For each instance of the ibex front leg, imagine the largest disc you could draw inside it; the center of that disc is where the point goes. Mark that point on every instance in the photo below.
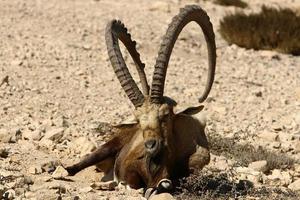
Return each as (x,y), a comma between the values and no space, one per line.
(106,151)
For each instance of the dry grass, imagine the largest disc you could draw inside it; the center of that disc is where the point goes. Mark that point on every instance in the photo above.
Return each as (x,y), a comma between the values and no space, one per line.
(245,154)
(236,3)
(271,29)
(215,185)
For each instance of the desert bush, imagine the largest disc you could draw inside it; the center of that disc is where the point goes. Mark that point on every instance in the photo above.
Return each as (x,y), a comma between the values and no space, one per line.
(219,186)
(271,29)
(246,153)
(236,3)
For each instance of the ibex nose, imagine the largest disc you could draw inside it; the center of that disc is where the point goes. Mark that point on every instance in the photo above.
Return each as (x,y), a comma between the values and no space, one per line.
(150,144)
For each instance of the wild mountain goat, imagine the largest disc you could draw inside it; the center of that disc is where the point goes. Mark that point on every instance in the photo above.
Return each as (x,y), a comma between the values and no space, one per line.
(159,145)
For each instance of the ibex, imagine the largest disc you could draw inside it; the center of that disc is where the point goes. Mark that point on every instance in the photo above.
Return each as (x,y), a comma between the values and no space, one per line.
(159,144)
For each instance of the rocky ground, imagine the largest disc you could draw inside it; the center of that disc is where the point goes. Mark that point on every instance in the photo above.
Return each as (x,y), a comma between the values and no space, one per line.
(58,93)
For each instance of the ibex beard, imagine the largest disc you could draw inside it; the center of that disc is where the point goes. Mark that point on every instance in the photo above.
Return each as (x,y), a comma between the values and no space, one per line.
(159,145)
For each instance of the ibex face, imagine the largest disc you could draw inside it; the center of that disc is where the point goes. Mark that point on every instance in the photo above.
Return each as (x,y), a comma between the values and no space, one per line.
(159,140)
(155,123)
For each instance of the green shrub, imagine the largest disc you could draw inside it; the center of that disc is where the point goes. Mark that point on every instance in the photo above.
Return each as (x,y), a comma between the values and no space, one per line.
(236,3)
(271,29)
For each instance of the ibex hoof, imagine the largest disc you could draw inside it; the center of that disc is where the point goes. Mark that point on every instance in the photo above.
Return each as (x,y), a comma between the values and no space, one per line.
(150,192)
(164,185)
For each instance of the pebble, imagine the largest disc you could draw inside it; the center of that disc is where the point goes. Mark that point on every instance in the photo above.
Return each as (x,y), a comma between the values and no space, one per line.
(279,177)
(295,186)
(4,152)
(83,146)
(162,196)
(9,194)
(160,6)
(109,185)
(54,134)
(260,166)
(35,170)
(50,166)
(59,173)
(5,136)
(268,136)
(31,135)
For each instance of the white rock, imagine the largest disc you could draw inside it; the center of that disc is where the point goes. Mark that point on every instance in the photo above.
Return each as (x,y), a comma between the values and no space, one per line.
(59,173)
(31,135)
(54,134)
(162,196)
(260,166)
(268,136)
(5,136)
(297,147)
(9,194)
(86,189)
(109,185)
(295,185)
(83,146)
(160,6)
(280,178)
(35,170)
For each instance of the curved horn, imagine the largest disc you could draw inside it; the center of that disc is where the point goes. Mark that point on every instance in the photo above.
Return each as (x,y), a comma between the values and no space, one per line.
(186,15)
(115,31)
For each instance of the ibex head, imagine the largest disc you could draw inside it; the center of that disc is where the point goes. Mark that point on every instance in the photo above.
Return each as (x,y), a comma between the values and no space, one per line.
(154,112)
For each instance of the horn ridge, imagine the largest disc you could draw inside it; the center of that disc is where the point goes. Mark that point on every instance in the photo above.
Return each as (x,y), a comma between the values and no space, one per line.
(186,15)
(115,31)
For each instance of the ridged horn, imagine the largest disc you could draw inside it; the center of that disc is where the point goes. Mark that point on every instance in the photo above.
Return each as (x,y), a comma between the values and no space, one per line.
(115,31)
(186,15)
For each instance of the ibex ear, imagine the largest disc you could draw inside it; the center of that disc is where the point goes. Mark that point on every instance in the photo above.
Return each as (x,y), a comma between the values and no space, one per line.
(127,123)
(192,110)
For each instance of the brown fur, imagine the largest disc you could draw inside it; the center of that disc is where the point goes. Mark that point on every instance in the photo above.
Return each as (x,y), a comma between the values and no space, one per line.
(184,146)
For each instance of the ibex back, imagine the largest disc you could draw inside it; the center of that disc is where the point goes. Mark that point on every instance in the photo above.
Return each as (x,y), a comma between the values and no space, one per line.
(158,144)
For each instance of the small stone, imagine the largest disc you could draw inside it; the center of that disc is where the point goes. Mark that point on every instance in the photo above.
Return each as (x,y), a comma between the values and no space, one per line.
(276,145)
(46,144)
(50,166)
(162,196)
(4,152)
(160,6)
(35,170)
(57,186)
(295,186)
(297,93)
(54,134)
(221,163)
(268,136)
(86,189)
(31,135)
(280,178)
(30,195)
(258,94)
(297,118)
(5,136)
(59,173)
(109,185)
(270,54)
(297,147)
(220,109)
(260,166)
(9,194)
(83,146)
(17,62)
(2,190)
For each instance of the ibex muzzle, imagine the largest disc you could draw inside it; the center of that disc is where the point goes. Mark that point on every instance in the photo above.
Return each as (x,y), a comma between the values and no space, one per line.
(158,144)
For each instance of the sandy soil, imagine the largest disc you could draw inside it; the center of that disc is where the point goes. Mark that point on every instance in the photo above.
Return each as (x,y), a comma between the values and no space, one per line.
(61,87)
